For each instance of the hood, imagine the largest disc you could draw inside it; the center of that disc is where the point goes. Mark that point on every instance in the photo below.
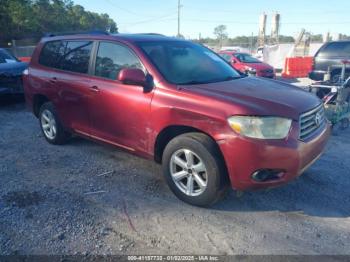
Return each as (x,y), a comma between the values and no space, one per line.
(259,66)
(12,69)
(257,96)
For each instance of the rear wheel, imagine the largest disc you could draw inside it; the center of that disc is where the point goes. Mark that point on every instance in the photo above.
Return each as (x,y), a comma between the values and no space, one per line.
(51,126)
(194,169)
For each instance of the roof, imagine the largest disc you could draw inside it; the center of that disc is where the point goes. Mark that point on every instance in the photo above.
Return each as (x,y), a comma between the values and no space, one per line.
(125,37)
(146,37)
(233,52)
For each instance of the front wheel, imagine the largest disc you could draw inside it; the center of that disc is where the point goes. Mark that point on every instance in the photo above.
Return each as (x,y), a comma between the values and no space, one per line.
(194,169)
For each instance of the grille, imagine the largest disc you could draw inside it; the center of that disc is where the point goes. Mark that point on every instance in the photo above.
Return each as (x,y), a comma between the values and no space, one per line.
(267,71)
(311,121)
(13,82)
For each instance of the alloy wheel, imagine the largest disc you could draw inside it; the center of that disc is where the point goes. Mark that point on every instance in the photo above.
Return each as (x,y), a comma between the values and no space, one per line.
(48,124)
(188,172)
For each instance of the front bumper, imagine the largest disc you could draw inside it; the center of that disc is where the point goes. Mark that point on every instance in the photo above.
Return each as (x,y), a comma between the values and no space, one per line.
(267,75)
(10,91)
(11,85)
(244,156)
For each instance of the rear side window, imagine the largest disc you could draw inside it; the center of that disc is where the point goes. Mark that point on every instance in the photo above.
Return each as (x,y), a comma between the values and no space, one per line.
(336,49)
(51,53)
(71,56)
(76,57)
(111,58)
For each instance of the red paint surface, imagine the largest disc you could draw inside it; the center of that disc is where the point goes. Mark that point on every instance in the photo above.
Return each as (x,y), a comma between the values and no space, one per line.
(24,59)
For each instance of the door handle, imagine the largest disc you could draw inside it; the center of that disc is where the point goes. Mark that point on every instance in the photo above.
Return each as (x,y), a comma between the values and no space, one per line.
(53,80)
(94,89)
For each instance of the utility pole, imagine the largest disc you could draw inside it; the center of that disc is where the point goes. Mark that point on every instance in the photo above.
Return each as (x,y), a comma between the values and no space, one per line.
(251,44)
(178,17)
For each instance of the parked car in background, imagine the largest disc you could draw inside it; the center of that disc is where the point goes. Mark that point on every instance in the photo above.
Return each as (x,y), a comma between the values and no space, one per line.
(180,104)
(330,57)
(246,63)
(11,70)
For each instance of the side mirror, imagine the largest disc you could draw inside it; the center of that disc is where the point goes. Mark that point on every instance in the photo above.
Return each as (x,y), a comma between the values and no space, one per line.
(135,76)
(233,61)
(132,76)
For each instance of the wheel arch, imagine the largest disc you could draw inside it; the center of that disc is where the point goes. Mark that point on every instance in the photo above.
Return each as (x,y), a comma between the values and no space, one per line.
(38,101)
(172,131)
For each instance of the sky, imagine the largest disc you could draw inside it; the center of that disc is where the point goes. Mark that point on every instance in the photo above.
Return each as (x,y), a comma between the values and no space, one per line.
(200,17)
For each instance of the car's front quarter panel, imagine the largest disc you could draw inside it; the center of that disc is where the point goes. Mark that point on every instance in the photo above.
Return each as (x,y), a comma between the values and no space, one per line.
(243,156)
(177,107)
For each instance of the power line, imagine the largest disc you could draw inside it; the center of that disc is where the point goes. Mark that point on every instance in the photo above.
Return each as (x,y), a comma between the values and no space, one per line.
(255,23)
(195,8)
(149,20)
(121,8)
(132,12)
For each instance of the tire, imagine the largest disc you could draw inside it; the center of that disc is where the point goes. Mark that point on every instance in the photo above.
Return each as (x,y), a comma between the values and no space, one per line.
(204,150)
(51,126)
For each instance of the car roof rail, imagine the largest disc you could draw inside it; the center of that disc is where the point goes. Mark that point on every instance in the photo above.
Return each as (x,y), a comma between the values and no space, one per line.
(92,32)
(149,34)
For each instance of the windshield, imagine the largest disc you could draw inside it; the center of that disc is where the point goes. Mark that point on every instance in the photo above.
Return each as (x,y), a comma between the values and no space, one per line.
(245,58)
(6,57)
(182,62)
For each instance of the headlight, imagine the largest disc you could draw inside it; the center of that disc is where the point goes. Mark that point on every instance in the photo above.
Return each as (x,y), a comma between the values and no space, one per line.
(251,69)
(260,127)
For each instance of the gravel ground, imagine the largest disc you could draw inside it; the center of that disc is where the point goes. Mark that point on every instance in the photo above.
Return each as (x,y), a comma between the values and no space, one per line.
(85,198)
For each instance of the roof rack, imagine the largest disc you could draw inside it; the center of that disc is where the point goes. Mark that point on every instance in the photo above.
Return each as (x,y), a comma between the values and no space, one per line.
(92,32)
(152,34)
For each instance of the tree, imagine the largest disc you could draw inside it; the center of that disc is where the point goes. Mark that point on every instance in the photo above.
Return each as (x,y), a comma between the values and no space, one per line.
(33,18)
(220,33)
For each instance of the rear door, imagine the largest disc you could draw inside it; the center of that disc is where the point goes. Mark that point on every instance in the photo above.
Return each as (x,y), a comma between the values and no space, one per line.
(73,84)
(120,113)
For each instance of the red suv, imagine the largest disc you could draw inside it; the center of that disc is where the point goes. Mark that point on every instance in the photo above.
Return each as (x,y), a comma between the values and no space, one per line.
(180,104)
(245,63)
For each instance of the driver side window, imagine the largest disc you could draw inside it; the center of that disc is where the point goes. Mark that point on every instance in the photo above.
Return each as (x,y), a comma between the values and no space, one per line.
(111,58)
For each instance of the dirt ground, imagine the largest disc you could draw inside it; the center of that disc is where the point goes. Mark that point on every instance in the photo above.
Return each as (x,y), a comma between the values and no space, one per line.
(85,198)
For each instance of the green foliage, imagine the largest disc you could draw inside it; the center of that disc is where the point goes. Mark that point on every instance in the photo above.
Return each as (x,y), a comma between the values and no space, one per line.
(220,32)
(243,41)
(317,38)
(33,18)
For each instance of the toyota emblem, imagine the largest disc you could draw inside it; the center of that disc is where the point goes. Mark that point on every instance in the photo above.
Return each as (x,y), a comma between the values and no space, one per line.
(318,119)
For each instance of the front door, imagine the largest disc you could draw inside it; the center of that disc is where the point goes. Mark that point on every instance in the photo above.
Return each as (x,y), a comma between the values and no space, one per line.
(120,113)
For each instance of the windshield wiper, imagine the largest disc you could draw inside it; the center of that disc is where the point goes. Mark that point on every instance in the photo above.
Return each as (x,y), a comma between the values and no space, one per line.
(229,78)
(195,82)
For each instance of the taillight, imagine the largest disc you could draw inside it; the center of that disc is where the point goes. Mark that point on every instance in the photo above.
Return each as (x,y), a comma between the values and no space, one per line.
(313,63)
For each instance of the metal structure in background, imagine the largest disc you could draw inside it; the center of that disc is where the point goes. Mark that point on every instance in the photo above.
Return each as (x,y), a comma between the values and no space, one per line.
(302,44)
(326,37)
(179,6)
(275,29)
(336,98)
(262,30)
